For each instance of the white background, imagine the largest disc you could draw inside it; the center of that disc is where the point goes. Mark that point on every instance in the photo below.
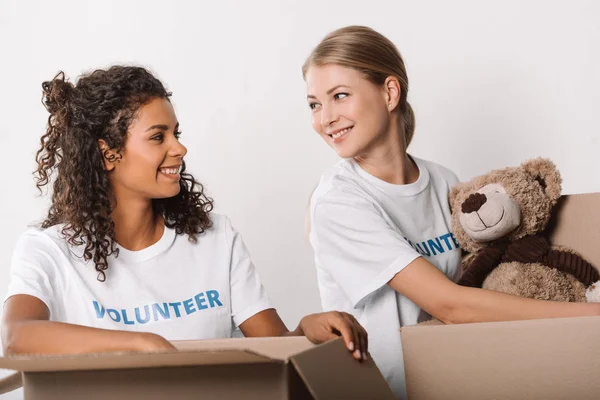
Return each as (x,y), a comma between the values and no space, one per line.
(492,83)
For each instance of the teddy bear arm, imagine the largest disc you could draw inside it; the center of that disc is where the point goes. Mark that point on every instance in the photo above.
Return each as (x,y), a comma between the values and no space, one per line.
(530,249)
(479,266)
(572,263)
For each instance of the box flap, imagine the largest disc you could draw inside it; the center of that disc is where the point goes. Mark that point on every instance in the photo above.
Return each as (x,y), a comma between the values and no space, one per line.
(102,361)
(541,359)
(277,348)
(330,372)
(576,224)
(191,352)
(10,382)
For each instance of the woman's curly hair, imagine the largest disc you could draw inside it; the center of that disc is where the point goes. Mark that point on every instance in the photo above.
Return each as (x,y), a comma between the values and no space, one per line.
(102,105)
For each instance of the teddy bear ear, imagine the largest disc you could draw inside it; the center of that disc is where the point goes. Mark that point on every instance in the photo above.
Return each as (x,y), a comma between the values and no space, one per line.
(545,173)
(454,191)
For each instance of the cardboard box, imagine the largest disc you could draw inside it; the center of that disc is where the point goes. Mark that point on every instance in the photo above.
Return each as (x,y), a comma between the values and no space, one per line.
(253,368)
(537,359)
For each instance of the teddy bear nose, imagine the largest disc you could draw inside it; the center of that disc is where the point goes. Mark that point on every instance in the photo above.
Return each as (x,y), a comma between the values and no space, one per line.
(473,203)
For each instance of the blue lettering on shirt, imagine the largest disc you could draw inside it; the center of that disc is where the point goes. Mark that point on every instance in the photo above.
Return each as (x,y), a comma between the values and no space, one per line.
(160,311)
(163,309)
(145,318)
(176,308)
(200,301)
(114,315)
(434,246)
(213,298)
(125,319)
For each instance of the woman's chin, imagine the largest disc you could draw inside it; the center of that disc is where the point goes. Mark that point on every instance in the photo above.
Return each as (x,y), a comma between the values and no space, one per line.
(166,194)
(344,151)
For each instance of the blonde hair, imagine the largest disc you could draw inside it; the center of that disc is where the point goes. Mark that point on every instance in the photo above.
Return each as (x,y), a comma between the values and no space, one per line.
(375,56)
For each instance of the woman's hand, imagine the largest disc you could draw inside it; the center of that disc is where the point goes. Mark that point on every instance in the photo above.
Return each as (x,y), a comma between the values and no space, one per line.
(26,329)
(319,328)
(149,342)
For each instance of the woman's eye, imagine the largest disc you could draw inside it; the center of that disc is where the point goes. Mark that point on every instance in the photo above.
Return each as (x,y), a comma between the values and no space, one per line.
(177,134)
(157,137)
(340,96)
(312,106)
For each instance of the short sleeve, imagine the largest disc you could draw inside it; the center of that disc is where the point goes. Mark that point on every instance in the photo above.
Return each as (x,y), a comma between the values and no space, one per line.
(33,268)
(354,243)
(453,181)
(248,296)
(450,177)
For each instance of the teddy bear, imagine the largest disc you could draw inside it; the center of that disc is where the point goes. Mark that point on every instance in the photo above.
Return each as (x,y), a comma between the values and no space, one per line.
(499,220)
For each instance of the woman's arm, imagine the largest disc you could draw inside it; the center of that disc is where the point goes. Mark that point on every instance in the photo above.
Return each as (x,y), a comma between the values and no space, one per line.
(27,330)
(317,328)
(431,290)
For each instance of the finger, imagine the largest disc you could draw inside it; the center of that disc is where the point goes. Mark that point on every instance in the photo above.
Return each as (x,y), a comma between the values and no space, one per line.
(339,322)
(355,345)
(364,337)
(355,334)
(361,336)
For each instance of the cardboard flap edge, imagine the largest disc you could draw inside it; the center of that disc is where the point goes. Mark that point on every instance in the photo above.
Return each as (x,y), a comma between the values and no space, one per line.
(106,361)
(330,372)
(276,348)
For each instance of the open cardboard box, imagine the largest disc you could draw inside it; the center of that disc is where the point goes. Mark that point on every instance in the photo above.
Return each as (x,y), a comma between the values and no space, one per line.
(537,359)
(252,368)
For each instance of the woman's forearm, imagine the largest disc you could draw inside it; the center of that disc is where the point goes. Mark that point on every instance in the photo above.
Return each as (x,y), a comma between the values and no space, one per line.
(480,305)
(48,337)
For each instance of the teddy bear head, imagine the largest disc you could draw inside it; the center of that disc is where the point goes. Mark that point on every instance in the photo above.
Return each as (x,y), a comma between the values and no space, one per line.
(505,204)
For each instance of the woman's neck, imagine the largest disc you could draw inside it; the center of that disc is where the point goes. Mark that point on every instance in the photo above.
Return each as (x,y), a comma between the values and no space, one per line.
(136,225)
(388,161)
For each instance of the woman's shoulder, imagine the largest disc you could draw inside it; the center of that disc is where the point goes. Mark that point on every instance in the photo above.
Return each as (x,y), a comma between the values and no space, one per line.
(438,171)
(50,240)
(221,229)
(220,224)
(340,180)
(36,233)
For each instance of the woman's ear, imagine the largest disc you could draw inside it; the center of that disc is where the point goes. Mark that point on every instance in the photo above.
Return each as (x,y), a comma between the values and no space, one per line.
(392,92)
(109,156)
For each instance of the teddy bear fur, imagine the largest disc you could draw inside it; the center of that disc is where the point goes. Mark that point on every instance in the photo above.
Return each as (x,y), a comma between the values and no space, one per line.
(499,219)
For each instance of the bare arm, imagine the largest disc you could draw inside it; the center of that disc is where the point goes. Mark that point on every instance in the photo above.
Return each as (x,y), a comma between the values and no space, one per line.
(429,288)
(27,330)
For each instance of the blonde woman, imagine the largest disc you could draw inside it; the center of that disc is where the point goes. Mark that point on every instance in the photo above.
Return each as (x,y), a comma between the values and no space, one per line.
(375,212)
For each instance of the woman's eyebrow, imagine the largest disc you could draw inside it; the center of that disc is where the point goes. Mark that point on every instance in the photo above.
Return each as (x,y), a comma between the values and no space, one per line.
(310,96)
(161,127)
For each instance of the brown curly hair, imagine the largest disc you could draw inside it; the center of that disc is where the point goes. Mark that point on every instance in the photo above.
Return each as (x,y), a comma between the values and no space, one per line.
(102,105)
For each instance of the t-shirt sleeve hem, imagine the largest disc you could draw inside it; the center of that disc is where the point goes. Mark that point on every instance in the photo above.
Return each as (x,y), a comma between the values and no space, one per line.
(250,311)
(383,278)
(29,292)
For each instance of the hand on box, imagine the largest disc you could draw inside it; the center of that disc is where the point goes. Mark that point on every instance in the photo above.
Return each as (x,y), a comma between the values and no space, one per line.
(322,327)
(149,342)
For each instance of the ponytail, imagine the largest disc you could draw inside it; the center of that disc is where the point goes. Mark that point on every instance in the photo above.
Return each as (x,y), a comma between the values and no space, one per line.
(408,116)
(56,97)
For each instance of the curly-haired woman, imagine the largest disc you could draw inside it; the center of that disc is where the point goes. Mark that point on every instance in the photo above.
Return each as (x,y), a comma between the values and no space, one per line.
(130,255)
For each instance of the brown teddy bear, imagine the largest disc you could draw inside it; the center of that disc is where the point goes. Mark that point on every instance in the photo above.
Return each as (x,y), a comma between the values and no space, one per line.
(499,219)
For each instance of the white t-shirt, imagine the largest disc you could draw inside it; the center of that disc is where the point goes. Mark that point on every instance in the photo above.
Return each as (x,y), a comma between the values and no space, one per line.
(363,232)
(174,288)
